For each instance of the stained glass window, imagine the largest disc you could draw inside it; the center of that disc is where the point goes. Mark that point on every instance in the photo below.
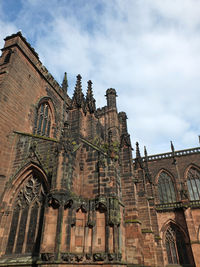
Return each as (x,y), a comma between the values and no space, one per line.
(193,183)
(166,189)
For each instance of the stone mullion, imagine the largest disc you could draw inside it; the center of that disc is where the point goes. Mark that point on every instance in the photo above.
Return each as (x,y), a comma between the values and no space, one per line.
(4,220)
(17,231)
(44,221)
(38,221)
(27,228)
(39,228)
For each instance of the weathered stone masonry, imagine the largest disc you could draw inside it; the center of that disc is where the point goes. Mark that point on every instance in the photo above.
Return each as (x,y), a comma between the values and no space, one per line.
(71,193)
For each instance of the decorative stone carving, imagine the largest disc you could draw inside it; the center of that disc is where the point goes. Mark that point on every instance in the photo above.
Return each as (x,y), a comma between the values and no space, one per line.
(99,256)
(48,256)
(90,101)
(125,140)
(88,256)
(58,198)
(31,191)
(111,256)
(78,257)
(78,97)
(101,204)
(114,212)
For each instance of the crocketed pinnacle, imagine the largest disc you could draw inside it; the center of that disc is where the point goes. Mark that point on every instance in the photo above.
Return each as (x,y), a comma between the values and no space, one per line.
(78,97)
(172,147)
(65,82)
(145,152)
(137,150)
(90,101)
(138,159)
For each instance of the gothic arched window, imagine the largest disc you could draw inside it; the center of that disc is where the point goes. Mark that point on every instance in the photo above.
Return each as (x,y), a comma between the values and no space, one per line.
(193,183)
(175,246)
(43,120)
(27,218)
(166,189)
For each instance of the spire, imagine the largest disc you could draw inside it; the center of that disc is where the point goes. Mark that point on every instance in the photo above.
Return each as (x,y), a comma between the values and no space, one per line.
(78,96)
(90,101)
(65,83)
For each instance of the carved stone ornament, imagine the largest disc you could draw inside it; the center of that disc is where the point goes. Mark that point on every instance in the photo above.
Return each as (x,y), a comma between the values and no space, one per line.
(88,256)
(111,256)
(125,140)
(78,257)
(66,257)
(99,256)
(60,198)
(101,204)
(31,191)
(48,256)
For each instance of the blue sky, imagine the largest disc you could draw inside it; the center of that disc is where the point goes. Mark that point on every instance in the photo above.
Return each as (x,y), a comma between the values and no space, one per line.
(148,50)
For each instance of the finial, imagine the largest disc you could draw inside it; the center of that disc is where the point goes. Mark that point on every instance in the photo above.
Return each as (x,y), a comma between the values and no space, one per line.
(137,150)
(172,146)
(90,101)
(145,152)
(78,86)
(65,82)
(78,97)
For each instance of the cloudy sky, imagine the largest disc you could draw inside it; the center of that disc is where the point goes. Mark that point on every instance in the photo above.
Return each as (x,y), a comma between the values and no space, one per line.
(148,50)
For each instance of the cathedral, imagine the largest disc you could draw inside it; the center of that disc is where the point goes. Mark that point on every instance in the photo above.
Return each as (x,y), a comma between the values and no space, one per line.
(72,192)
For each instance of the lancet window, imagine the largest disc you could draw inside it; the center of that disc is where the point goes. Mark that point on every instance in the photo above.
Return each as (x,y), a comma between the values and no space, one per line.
(27,218)
(175,246)
(193,183)
(43,121)
(166,189)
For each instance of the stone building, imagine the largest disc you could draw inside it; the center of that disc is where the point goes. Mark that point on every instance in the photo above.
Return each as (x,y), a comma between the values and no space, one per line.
(71,192)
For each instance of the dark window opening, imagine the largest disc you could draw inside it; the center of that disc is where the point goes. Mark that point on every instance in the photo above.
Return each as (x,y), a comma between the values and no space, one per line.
(166,189)
(193,183)
(26,220)
(176,246)
(43,120)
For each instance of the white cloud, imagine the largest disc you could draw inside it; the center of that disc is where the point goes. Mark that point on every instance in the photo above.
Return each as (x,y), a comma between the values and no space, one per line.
(148,50)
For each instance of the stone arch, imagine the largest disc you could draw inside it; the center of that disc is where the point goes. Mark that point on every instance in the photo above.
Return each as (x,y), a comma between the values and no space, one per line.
(23,203)
(19,178)
(176,243)
(166,171)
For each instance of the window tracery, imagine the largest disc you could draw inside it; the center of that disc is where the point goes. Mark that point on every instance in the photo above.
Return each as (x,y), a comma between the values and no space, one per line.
(193,183)
(166,189)
(175,246)
(43,120)
(26,218)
